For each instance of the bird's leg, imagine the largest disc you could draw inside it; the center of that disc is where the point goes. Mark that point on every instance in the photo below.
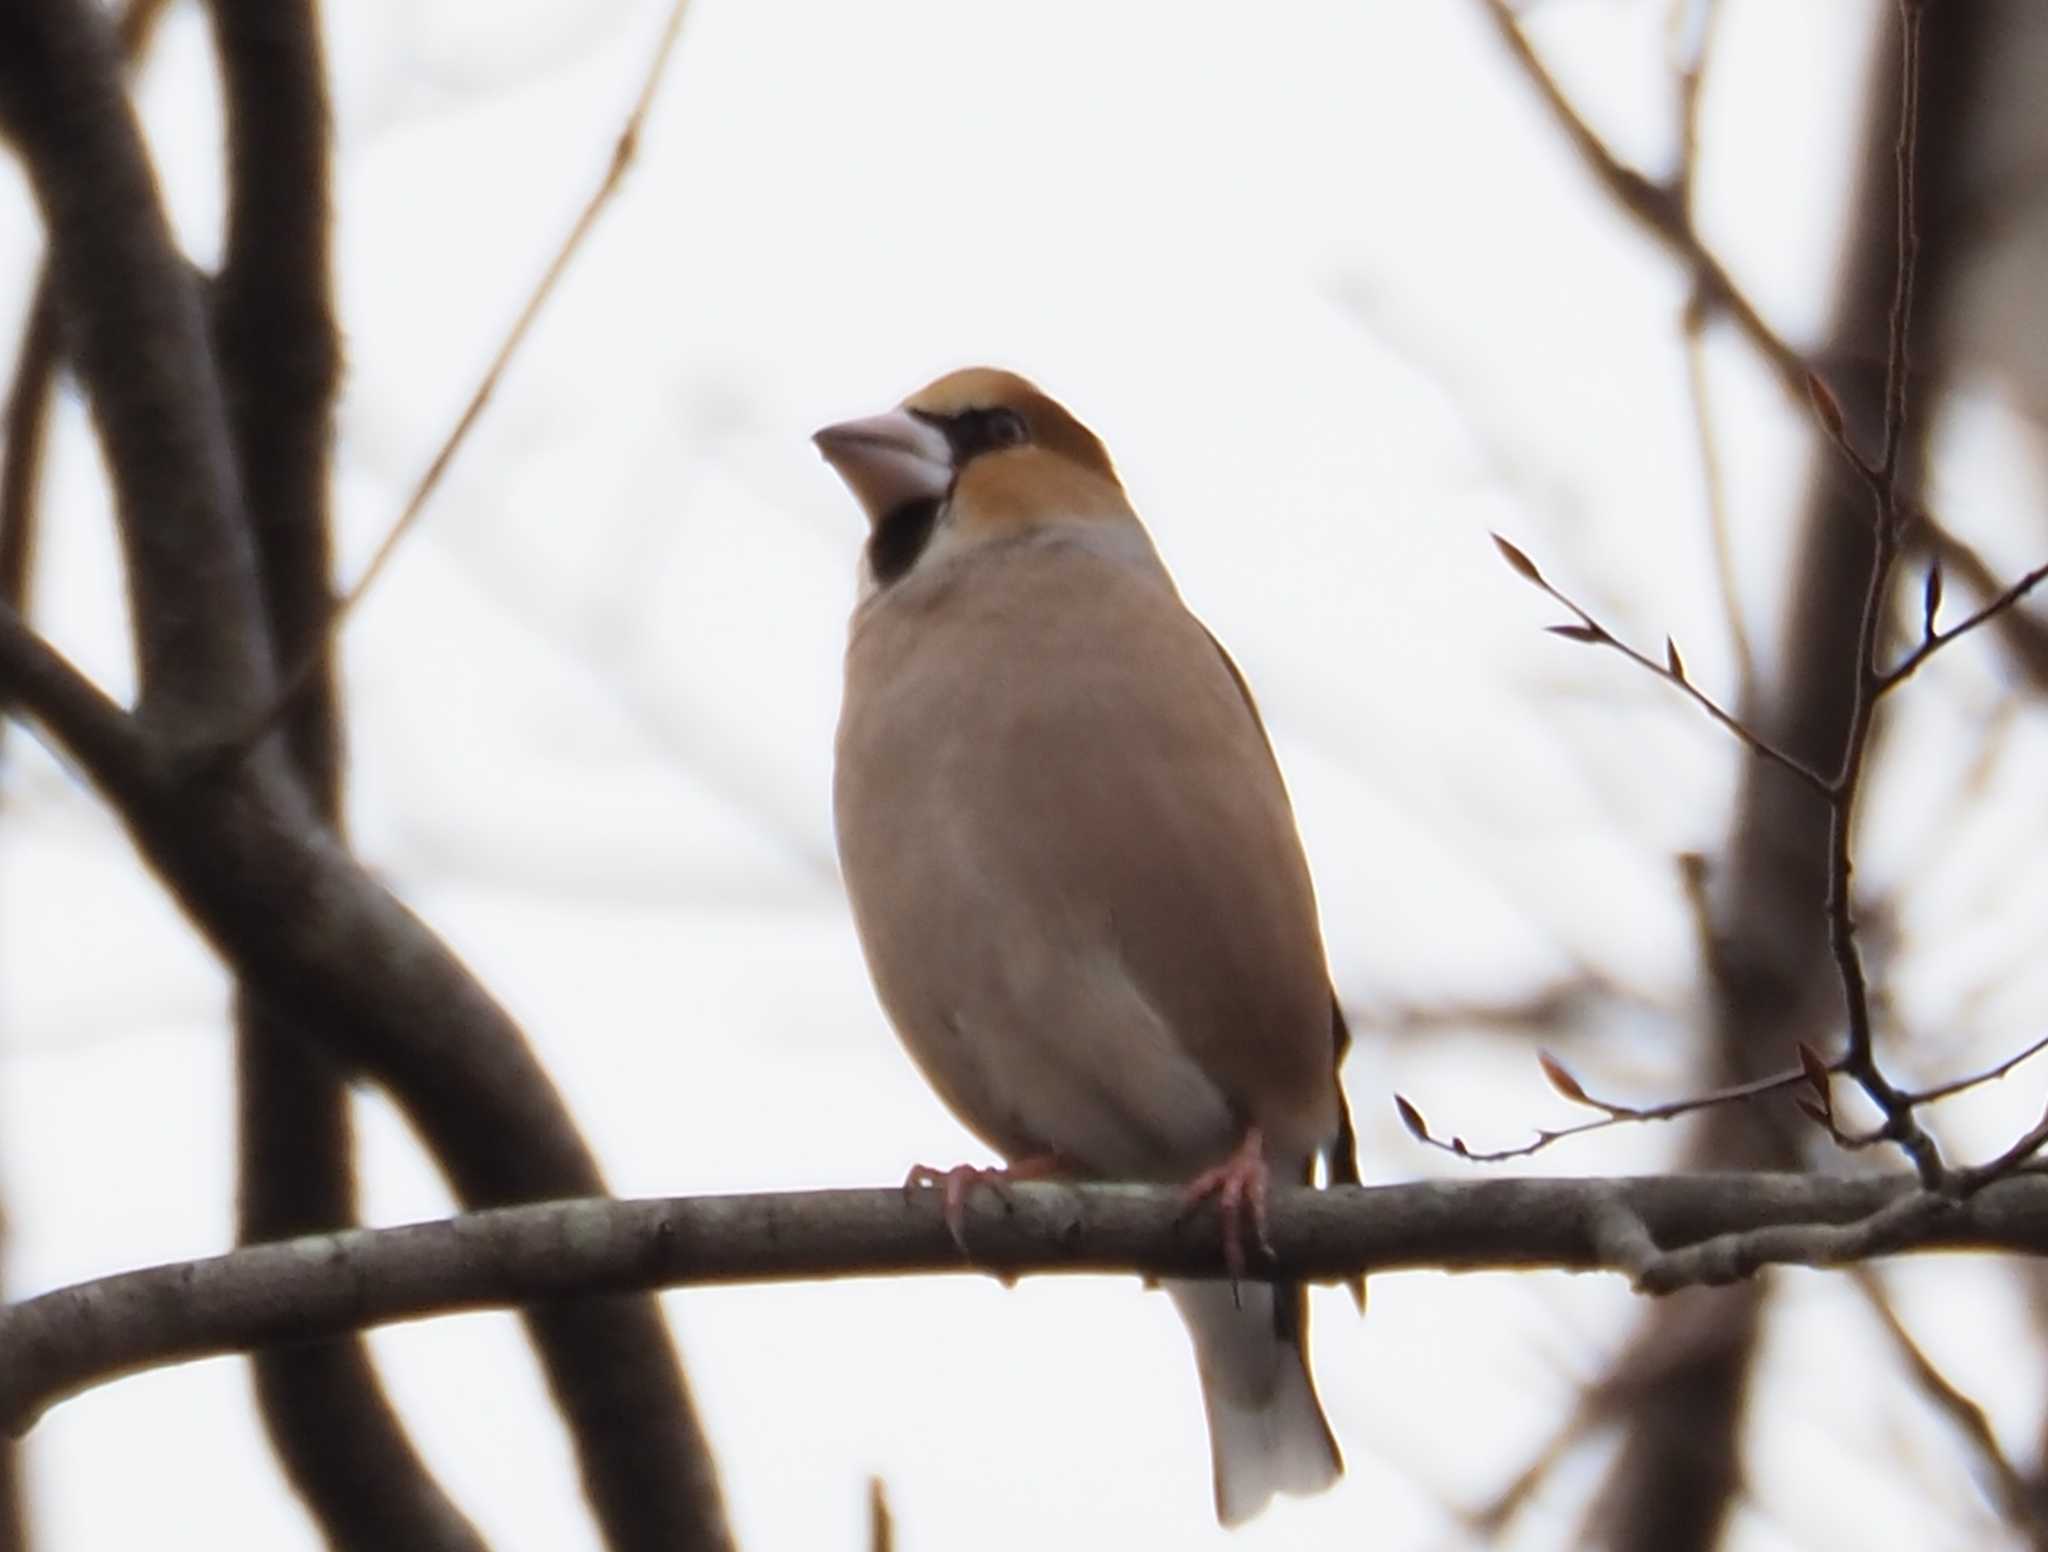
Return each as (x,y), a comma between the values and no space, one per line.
(1239,1184)
(962,1178)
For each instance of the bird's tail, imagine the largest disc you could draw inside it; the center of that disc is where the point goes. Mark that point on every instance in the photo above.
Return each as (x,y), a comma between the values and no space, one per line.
(1267,1432)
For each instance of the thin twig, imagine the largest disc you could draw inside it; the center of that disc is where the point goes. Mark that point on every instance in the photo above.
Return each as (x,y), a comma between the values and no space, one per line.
(1989,1074)
(624,149)
(1591,632)
(1882,475)
(1612,1113)
(1657,206)
(1692,25)
(2025,636)
(1860,1062)
(1718,527)
(1969,1181)
(1934,640)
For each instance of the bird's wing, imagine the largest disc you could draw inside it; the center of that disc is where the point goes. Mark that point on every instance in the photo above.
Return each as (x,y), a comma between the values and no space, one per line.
(1342,1155)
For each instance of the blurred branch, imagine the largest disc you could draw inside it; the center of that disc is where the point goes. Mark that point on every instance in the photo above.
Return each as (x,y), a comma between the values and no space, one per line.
(244,849)
(1490,1520)
(1664,209)
(1718,531)
(1884,481)
(134,328)
(26,416)
(336,1435)
(21,456)
(79,717)
(1547,1008)
(881,1523)
(298,919)
(1693,25)
(2006,1485)
(624,149)
(1782,927)
(1719,1225)
(13,1510)
(1882,477)
(1661,207)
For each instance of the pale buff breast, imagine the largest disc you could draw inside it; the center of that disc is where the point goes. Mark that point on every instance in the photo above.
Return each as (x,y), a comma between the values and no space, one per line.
(1073,865)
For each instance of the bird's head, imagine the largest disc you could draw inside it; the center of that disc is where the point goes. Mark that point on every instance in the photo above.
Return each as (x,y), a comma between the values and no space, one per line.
(975,456)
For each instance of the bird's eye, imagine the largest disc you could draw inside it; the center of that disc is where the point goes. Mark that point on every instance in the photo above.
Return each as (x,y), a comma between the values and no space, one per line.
(988,431)
(974,432)
(1005,428)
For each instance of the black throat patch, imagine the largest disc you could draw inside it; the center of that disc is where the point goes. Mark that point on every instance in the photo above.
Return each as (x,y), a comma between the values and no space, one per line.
(899,539)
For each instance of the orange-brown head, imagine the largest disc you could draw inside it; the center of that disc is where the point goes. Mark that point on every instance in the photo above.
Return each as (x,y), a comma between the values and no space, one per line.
(975,455)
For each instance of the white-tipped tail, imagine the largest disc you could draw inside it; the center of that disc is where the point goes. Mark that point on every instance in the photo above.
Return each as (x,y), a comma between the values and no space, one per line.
(1267,1432)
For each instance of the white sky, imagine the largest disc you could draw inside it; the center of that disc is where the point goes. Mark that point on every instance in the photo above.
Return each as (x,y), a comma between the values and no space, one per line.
(1340,302)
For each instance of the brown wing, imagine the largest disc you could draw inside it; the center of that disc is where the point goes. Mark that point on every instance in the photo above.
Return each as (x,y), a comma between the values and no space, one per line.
(1341,1160)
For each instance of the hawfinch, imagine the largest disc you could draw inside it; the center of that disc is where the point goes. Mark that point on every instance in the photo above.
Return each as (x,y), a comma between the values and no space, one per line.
(1073,867)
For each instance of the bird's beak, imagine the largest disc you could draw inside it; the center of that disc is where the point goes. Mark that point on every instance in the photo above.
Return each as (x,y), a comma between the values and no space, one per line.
(889,460)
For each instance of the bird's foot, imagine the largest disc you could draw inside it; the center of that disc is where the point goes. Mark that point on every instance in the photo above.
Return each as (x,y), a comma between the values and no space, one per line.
(956,1182)
(1239,1184)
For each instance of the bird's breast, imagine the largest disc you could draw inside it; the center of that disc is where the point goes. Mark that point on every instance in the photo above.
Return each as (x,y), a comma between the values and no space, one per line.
(1060,827)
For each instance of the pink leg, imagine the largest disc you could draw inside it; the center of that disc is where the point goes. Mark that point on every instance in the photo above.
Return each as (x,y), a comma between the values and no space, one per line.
(962,1178)
(1239,1183)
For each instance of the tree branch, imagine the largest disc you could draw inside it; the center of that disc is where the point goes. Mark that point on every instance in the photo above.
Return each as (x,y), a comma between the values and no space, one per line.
(335,1433)
(135,330)
(2002,1481)
(1655,1229)
(310,662)
(244,847)
(78,716)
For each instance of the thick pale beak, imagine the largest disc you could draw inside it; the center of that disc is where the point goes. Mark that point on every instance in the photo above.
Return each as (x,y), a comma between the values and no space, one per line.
(889,460)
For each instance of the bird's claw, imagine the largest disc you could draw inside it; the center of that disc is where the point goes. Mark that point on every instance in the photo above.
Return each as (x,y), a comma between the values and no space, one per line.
(1240,1185)
(955,1183)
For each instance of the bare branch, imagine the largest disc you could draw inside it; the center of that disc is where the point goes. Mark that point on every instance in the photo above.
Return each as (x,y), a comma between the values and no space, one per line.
(1860,1062)
(1932,641)
(881,1523)
(2008,1486)
(1591,632)
(623,151)
(1840,791)
(81,719)
(1612,1114)
(333,1429)
(2015,1157)
(28,396)
(21,454)
(60,1343)
(1989,1074)
(245,848)
(2025,637)
(1717,504)
(135,332)
(1659,207)
(1910,1221)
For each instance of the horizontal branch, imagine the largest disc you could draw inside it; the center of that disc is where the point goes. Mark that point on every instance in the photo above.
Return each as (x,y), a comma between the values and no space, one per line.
(1663,1232)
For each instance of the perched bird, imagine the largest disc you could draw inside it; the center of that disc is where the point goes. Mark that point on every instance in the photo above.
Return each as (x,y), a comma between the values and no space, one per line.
(1073,866)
